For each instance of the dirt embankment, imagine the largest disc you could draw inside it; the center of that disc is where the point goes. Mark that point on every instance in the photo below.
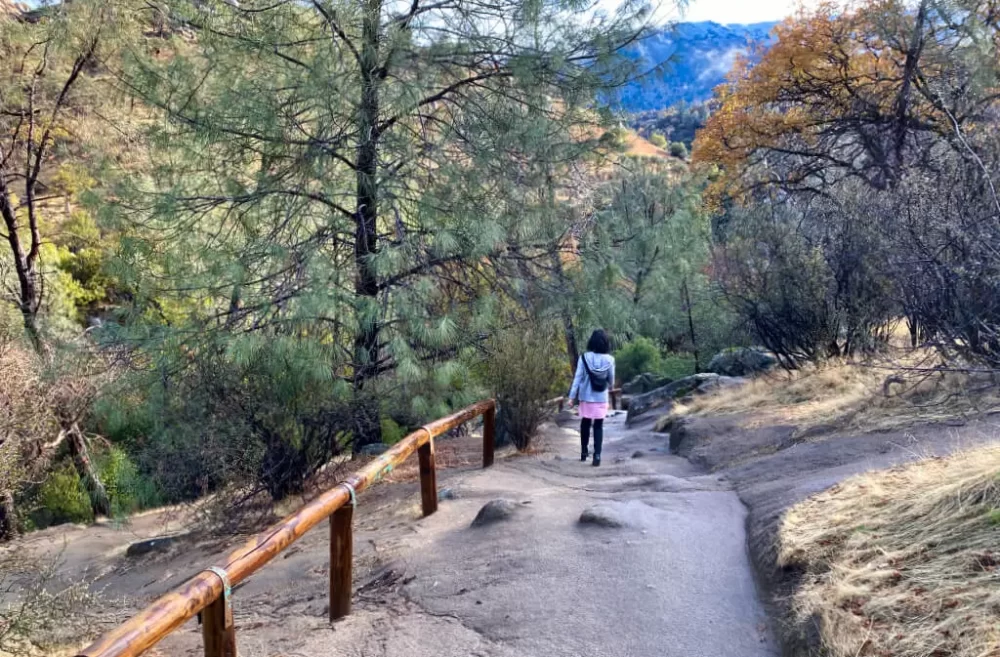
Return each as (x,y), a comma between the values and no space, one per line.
(778,455)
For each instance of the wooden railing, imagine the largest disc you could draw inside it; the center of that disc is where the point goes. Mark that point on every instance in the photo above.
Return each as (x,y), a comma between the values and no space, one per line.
(209,592)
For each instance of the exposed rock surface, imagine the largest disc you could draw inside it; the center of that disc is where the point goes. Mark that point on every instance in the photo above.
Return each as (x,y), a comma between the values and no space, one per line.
(495,511)
(601,516)
(742,361)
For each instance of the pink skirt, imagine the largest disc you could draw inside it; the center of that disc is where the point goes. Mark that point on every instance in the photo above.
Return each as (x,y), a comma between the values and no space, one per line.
(593,410)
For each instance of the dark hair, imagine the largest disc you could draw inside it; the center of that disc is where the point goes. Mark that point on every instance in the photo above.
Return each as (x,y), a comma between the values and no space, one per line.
(599,343)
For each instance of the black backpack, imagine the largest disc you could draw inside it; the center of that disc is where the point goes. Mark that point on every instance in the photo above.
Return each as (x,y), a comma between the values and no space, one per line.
(598,382)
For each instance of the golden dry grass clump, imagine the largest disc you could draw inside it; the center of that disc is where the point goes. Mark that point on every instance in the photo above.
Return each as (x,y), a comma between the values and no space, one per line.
(903,562)
(854,396)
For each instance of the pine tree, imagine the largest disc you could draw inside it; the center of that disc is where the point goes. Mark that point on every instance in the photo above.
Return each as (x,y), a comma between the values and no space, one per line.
(368,175)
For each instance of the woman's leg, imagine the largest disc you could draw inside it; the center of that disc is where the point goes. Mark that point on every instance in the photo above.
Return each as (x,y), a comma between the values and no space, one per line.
(598,438)
(584,437)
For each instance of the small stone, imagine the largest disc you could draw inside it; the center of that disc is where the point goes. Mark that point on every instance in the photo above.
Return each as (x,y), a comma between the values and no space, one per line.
(447,494)
(374,449)
(638,454)
(495,511)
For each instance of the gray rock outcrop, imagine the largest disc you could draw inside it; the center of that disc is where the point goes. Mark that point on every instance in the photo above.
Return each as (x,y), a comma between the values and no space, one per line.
(742,361)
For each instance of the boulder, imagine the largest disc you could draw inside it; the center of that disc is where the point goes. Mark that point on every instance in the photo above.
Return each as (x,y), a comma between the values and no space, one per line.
(742,361)
(676,427)
(643,383)
(158,544)
(665,396)
(495,511)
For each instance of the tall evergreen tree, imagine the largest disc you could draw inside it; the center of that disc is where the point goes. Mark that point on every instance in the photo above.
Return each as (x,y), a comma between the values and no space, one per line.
(369,174)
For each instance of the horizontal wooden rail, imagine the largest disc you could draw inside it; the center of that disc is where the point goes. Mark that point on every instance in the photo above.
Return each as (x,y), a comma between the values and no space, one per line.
(210,589)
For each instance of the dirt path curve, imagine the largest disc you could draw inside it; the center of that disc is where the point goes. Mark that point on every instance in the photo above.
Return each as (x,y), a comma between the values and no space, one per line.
(674,581)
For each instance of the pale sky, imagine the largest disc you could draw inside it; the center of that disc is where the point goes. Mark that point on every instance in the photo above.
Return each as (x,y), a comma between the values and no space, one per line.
(739,11)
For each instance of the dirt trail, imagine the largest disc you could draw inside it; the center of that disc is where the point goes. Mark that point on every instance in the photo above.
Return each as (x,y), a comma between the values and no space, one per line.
(673,580)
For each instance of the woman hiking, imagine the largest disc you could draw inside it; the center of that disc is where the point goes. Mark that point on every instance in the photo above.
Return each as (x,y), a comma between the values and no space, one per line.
(595,377)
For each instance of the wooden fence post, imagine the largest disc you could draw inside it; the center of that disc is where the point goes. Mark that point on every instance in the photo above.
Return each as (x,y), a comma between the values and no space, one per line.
(341,561)
(428,478)
(489,435)
(217,629)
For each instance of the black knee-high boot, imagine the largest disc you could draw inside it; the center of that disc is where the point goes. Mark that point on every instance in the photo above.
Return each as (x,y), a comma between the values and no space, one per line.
(598,440)
(585,438)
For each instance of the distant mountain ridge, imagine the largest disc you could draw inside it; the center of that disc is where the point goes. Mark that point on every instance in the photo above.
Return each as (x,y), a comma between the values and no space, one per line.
(694,57)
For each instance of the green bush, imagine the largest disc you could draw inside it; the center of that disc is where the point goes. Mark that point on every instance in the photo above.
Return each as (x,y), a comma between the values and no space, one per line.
(678,149)
(128,490)
(676,365)
(637,357)
(392,433)
(657,139)
(62,498)
(525,366)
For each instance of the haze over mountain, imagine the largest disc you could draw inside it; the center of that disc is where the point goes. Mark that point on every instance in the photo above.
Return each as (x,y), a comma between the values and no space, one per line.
(693,59)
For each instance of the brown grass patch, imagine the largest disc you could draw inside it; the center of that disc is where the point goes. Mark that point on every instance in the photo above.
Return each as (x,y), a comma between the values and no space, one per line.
(854,396)
(903,562)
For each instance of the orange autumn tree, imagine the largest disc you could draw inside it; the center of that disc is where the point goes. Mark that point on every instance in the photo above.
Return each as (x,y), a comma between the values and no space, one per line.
(865,92)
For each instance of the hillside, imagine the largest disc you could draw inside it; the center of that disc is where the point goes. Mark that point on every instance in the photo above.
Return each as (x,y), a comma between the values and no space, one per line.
(688,60)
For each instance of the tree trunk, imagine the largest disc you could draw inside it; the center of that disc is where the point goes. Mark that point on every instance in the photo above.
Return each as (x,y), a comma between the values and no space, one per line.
(694,342)
(569,329)
(88,475)
(28,296)
(8,516)
(367,425)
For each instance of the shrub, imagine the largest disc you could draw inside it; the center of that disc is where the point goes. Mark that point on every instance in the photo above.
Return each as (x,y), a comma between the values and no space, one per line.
(525,369)
(392,432)
(128,490)
(657,139)
(676,365)
(678,149)
(637,357)
(62,498)
(615,139)
(48,613)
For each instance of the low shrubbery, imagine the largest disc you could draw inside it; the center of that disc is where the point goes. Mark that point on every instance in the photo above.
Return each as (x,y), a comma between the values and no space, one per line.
(642,355)
(525,366)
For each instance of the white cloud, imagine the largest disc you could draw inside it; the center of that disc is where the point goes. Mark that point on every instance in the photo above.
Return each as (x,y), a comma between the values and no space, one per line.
(719,63)
(742,11)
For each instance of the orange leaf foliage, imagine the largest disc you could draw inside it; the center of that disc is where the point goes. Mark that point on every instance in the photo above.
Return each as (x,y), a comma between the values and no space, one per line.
(834,91)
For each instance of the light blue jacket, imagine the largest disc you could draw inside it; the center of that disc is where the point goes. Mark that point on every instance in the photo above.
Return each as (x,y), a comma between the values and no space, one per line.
(598,363)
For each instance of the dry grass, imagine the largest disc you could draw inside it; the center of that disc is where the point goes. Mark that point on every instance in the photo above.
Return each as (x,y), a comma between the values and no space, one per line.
(40,614)
(903,562)
(849,396)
